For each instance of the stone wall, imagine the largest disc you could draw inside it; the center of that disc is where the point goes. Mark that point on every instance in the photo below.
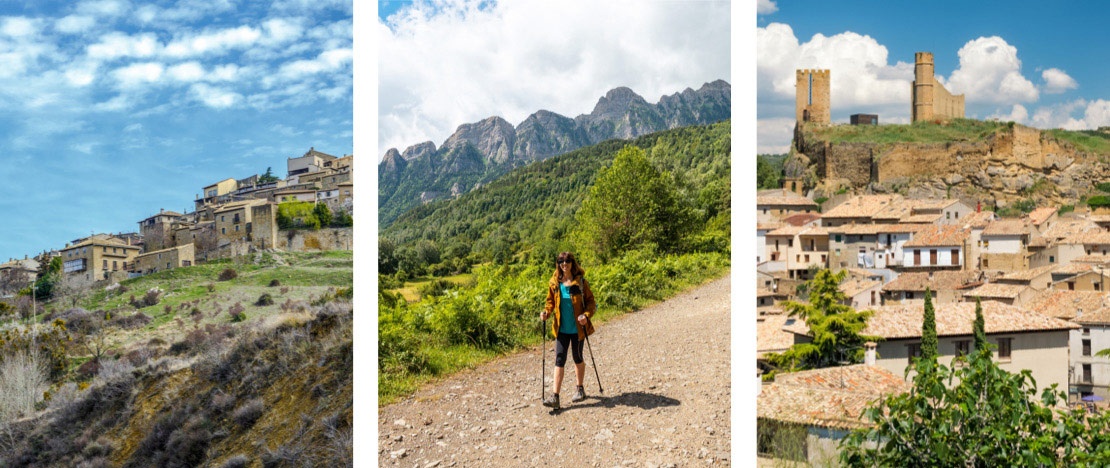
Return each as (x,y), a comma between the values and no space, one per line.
(1003,261)
(264,226)
(850,162)
(811,96)
(300,240)
(908,160)
(929,98)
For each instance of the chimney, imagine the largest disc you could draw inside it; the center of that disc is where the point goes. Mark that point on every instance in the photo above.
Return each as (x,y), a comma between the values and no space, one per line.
(869,353)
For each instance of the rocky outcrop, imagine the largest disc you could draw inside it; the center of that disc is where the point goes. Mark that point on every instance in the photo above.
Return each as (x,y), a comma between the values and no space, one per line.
(493,138)
(545,134)
(1013,163)
(419,150)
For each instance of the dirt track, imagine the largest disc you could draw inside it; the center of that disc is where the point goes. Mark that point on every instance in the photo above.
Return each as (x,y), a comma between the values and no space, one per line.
(665,371)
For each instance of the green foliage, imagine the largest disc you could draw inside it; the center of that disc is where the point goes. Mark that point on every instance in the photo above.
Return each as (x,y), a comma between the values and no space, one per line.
(918,132)
(1018,209)
(768,170)
(979,327)
(1091,141)
(1103,186)
(51,343)
(977,414)
(834,327)
(296,214)
(267,177)
(929,329)
(322,214)
(48,277)
(1065,209)
(631,205)
(1098,201)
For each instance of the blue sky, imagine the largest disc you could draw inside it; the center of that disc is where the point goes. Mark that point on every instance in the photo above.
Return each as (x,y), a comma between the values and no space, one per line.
(1034,63)
(111,110)
(446,63)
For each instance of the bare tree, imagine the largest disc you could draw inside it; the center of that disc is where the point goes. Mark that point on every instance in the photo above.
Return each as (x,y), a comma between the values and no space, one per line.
(13,280)
(23,379)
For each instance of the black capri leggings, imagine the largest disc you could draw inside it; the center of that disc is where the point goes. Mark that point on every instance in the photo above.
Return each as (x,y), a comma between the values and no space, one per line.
(561,343)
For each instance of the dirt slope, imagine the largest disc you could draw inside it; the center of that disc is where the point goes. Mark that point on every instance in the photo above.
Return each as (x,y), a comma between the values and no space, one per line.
(665,371)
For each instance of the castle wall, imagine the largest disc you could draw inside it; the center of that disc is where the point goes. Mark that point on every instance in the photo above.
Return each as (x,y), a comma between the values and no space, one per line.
(298,240)
(811,103)
(264,226)
(849,161)
(920,159)
(929,98)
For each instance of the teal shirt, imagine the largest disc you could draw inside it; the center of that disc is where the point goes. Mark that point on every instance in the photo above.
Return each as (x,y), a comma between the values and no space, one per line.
(567,323)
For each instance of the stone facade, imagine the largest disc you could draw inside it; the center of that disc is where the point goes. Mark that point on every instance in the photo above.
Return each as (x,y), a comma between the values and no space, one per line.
(165,259)
(264,226)
(811,98)
(930,99)
(297,240)
(98,258)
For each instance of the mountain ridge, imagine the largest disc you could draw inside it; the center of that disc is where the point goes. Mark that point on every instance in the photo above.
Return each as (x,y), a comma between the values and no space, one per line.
(423,172)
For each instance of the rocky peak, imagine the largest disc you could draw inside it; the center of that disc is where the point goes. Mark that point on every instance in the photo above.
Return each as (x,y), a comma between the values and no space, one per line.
(392,160)
(616,103)
(492,137)
(419,150)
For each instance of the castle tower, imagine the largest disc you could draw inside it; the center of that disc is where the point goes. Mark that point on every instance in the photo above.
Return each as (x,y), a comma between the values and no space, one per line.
(930,99)
(811,96)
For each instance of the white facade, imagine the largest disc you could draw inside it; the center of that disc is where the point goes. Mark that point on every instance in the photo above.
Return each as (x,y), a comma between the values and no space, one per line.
(1002,244)
(760,246)
(1084,343)
(921,257)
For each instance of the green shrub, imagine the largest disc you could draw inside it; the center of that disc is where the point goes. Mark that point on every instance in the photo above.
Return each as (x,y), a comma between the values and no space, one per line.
(264,300)
(1098,201)
(227,274)
(1065,209)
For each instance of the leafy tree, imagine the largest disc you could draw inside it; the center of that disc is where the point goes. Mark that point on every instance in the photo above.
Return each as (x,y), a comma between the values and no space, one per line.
(322,214)
(768,169)
(834,327)
(980,326)
(976,415)
(929,329)
(387,260)
(630,205)
(267,177)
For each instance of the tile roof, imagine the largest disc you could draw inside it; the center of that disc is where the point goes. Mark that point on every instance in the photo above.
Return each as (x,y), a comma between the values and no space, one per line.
(932,204)
(1064,228)
(1064,304)
(996,291)
(956,319)
(1089,237)
(1007,227)
(978,219)
(832,397)
(861,206)
(1073,268)
(924,218)
(896,210)
(769,336)
(851,287)
(1096,259)
(767,226)
(801,219)
(940,281)
(784,200)
(939,236)
(96,241)
(1027,275)
(1100,218)
(1040,215)
(789,230)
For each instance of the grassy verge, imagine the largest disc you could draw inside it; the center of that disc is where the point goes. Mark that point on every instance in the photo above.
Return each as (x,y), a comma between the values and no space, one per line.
(411,290)
(920,132)
(438,336)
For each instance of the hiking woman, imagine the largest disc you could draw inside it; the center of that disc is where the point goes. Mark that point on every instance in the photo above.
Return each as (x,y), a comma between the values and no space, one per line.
(571,303)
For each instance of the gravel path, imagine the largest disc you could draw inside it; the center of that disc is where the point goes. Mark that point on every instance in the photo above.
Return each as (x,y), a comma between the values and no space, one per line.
(665,371)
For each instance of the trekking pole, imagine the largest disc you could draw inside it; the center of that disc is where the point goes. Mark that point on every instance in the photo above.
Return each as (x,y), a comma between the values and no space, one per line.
(543,364)
(594,361)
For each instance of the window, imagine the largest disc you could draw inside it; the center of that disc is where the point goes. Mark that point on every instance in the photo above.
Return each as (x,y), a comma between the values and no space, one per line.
(963,347)
(916,257)
(105,249)
(1071,285)
(223,230)
(1004,348)
(1086,331)
(955,256)
(986,243)
(1086,347)
(1087,373)
(838,237)
(909,295)
(872,297)
(114,266)
(1051,259)
(790,242)
(947,215)
(236,228)
(986,263)
(807,258)
(933,257)
(765,211)
(913,351)
(957,215)
(105,264)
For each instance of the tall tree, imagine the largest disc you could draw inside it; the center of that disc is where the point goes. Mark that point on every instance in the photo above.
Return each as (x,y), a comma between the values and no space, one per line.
(267,177)
(980,326)
(630,205)
(834,327)
(929,329)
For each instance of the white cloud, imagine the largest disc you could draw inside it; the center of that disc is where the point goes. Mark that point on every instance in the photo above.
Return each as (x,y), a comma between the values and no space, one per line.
(990,71)
(133,127)
(139,73)
(118,45)
(186,10)
(859,72)
(774,135)
(103,8)
(326,61)
(81,75)
(448,64)
(188,71)
(213,42)
(18,26)
(1017,114)
(215,97)
(73,24)
(765,7)
(281,30)
(1057,81)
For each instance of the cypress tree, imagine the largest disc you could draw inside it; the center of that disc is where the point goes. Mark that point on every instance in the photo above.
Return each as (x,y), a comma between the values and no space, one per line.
(980,327)
(929,329)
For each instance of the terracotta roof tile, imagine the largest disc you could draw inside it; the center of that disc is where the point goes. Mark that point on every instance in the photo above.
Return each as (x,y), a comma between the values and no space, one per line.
(851,287)
(784,200)
(996,291)
(1064,228)
(769,335)
(1027,275)
(832,397)
(789,230)
(862,206)
(956,319)
(1095,259)
(1007,227)
(924,218)
(1040,215)
(940,281)
(1065,304)
(801,219)
(939,236)
(1089,238)
(978,219)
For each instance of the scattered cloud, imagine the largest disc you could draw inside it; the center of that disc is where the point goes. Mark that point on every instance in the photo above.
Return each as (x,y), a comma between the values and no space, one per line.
(119,45)
(19,26)
(104,8)
(765,7)
(214,42)
(139,73)
(774,135)
(1017,114)
(1056,81)
(990,72)
(214,97)
(74,24)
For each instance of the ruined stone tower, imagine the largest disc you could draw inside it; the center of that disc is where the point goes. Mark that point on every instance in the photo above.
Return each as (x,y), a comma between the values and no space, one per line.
(930,99)
(811,96)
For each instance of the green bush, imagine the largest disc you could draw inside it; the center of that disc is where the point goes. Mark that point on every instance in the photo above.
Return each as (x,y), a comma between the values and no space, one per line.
(1098,201)
(227,275)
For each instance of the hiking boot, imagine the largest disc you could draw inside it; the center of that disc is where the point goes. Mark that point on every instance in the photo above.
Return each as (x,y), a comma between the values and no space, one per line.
(579,395)
(552,401)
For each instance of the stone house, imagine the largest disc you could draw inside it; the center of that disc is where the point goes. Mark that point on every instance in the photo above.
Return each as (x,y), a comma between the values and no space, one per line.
(1093,242)
(869,245)
(1088,374)
(1043,218)
(311,161)
(936,247)
(346,192)
(217,193)
(1023,339)
(1005,245)
(1039,278)
(818,408)
(761,231)
(862,293)
(773,205)
(976,222)
(948,287)
(1092,280)
(157,231)
(165,259)
(860,209)
(98,258)
(17,274)
(801,247)
(298,195)
(1011,294)
(233,221)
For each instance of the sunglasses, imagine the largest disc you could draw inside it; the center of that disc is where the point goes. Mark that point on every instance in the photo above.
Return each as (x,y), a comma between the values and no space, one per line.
(564,261)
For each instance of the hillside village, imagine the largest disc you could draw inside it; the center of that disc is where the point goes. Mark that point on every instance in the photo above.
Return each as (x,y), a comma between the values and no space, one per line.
(231,217)
(1041,279)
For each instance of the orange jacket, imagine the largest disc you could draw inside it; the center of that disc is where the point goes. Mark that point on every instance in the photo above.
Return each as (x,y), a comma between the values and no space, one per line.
(583,303)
